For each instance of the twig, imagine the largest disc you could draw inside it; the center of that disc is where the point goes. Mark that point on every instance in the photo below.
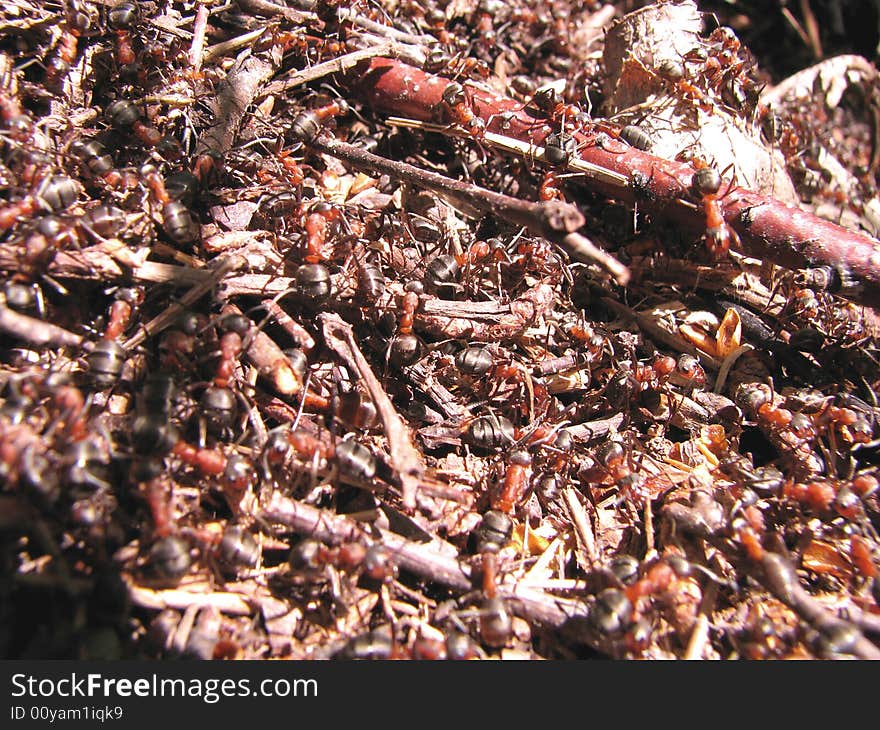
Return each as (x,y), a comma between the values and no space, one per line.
(268,358)
(342,64)
(812,28)
(767,228)
(224,48)
(232,604)
(346,14)
(197,47)
(552,220)
(169,316)
(582,527)
(36,331)
(268,9)
(235,95)
(406,459)
(423,559)
(288,324)
(700,633)
(778,575)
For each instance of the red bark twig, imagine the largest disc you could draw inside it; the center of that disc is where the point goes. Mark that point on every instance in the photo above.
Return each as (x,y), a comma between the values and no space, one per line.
(767,228)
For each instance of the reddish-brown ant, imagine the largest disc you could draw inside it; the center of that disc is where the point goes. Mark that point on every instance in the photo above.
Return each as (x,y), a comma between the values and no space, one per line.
(516,481)
(176,217)
(76,23)
(107,358)
(121,18)
(53,194)
(719,236)
(309,558)
(457,106)
(318,218)
(673,72)
(125,116)
(96,159)
(307,124)
(405,347)
(490,536)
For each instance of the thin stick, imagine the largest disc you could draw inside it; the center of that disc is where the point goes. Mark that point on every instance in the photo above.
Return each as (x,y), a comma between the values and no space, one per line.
(346,14)
(234,96)
(342,64)
(700,634)
(224,48)
(778,575)
(36,331)
(552,220)
(422,559)
(299,333)
(268,9)
(269,359)
(197,47)
(406,459)
(168,317)
(583,529)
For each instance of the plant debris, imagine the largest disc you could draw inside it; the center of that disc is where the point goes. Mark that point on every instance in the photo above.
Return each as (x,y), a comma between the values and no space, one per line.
(436,331)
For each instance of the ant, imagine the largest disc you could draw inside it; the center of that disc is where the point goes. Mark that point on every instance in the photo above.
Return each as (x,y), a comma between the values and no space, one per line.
(353,461)
(719,236)
(613,460)
(317,221)
(97,161)
(484,374)
(107,359)
(126,117)
(457,105)
(549,105)
(307,124)
(490,536)
(405,347)
(52,194)
(673,73)
(15,121)
(309,558)
(516,481)
(77,22)
(122,18)
(438,60)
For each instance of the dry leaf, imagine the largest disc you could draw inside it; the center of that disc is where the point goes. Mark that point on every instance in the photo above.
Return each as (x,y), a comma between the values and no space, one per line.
(729,335)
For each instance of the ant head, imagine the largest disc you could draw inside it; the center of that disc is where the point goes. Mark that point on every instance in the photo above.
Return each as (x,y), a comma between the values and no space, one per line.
(706,181)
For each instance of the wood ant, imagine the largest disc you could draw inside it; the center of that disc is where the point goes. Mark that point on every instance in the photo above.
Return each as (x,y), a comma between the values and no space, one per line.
(490,536)
(53,194)
(318,219)
(352,460)
(309,558)
(405,347)
(516,481)
(613,460)
(549,105)
(96,160)
(77,22)
(559,148)
(122,18)
(673,73)
(107,359)
(15,121)
(456,104)
(307,124)
(177,220)
(126,117)
(719,236)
